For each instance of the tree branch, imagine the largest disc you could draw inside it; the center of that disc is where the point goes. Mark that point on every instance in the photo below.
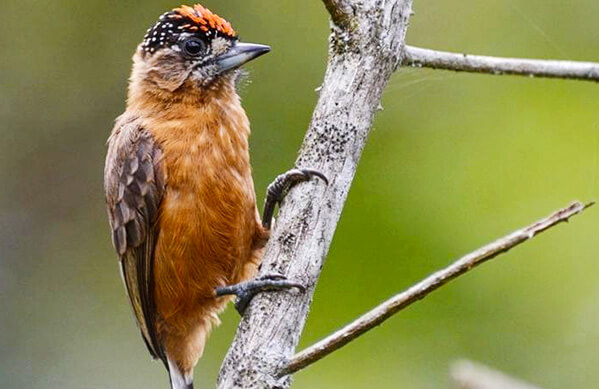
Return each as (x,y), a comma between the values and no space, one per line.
(418,57)
(470,375)
(362,58)
(417,292)
(366,45)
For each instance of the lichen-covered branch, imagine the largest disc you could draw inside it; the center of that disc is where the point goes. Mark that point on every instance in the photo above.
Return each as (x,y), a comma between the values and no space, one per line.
(340,11)
(420,290)
(419,57)
(365,48)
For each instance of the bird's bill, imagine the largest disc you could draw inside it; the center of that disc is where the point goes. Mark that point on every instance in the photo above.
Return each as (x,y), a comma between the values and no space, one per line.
(240,54)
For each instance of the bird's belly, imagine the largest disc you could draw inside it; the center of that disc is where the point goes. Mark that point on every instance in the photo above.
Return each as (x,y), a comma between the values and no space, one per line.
(205,240)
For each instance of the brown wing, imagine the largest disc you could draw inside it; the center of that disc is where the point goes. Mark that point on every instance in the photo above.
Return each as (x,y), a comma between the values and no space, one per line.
(134,183)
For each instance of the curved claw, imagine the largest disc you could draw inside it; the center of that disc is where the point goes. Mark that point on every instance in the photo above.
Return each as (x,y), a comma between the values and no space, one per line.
(314,173)
(277,190)
(245,291)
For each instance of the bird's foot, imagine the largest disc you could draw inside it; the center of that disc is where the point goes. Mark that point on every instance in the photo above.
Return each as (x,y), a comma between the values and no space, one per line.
(245,291)
(276,191)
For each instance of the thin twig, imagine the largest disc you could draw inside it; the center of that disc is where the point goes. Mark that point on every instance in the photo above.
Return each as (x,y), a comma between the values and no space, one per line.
(469,375)
(423,288)
(419,57)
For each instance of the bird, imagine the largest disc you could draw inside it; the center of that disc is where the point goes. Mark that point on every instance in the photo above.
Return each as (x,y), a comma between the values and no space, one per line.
(179,188)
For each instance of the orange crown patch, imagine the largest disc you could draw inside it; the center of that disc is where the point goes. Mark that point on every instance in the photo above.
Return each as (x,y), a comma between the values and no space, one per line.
(203,19)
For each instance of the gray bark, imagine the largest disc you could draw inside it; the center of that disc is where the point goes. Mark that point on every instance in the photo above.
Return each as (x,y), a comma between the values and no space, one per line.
(574,70)
(420,290)
(366,46)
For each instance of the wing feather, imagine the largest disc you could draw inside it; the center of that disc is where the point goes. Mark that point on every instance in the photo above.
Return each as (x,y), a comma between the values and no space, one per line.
(134,182)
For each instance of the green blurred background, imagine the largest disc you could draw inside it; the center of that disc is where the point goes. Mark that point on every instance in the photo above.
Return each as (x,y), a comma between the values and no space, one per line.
(454,161)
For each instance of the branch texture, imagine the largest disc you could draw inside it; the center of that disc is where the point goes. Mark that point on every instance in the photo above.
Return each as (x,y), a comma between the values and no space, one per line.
(424,287)
(470,375)
(364,50)
(340,11)
(418,57)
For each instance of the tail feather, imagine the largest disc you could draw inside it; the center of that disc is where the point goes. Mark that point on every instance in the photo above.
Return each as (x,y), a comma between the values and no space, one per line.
(179,380)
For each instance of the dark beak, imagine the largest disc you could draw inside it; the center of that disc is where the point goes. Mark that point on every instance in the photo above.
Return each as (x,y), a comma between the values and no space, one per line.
(240,54)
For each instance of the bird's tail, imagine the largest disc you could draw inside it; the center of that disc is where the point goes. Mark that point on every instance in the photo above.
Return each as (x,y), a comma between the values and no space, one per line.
(179,380)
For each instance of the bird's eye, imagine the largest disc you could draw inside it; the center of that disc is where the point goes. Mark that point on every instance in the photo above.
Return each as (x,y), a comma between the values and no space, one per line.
(193,47)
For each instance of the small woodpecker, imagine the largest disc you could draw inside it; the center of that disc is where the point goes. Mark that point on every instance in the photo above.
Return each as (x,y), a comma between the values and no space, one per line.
(179,189)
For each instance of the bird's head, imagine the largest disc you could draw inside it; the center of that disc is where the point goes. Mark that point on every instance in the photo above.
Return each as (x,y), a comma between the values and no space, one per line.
(191,47)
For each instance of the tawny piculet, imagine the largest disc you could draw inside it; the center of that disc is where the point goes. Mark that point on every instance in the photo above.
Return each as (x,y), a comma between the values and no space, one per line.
(179,190)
